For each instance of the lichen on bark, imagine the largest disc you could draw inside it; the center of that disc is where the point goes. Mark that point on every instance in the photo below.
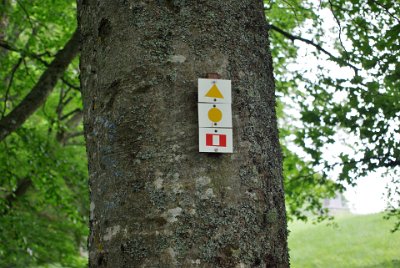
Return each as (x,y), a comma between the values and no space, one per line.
(157,201)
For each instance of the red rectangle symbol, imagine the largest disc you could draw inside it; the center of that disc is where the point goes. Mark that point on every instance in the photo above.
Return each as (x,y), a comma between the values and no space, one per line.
(216,140)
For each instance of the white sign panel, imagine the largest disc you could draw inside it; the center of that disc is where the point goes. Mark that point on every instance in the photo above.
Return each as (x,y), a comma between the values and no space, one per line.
(215,115)
(215,140)
(215,90)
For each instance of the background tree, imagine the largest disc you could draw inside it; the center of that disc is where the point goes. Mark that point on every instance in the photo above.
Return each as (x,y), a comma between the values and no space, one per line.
(366,48)
(43,177)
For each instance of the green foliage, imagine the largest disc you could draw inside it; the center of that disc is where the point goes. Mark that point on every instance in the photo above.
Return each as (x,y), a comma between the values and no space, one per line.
(354,241)
(48,222)
(367,48)
(393,210)
(305,188)
(43,172)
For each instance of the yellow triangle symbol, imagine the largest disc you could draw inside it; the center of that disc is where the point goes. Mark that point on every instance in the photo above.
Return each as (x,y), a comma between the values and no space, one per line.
(214,92)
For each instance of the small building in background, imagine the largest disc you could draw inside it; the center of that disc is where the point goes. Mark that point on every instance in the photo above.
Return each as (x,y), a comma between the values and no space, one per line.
(337,205)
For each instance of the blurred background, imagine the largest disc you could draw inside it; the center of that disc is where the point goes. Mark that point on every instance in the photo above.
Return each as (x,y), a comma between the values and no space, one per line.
(337,77)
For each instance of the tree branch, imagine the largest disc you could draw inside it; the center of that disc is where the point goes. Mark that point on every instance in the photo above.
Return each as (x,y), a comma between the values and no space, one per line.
(14,69)
(62,136)
(386,9)
(339,25)
(22,188)
(26,13)
(6,45)
(77,110)
(393,163)
(65,81)
(42,88)
(74,134)
(317,46)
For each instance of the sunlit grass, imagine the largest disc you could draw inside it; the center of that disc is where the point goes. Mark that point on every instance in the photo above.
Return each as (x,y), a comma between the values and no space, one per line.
(356,241)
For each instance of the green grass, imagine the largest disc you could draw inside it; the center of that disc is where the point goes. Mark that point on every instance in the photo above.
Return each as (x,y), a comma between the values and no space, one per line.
(357,241)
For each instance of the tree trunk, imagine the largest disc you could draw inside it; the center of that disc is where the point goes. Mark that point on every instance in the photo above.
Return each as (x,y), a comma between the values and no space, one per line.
(155,200)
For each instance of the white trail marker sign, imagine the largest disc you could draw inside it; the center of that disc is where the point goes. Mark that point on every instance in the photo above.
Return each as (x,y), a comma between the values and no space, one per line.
(215,116)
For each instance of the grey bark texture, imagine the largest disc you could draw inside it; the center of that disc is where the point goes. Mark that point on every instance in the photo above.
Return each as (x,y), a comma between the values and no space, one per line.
(155,200)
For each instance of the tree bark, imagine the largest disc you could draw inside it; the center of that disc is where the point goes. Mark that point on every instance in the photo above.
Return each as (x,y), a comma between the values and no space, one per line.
(155,200)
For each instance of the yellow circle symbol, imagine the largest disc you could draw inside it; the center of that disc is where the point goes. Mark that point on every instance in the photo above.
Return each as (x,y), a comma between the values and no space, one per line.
(215,115)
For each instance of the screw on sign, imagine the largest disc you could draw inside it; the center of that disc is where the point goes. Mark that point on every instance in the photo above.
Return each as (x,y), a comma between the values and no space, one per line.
(215,116)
